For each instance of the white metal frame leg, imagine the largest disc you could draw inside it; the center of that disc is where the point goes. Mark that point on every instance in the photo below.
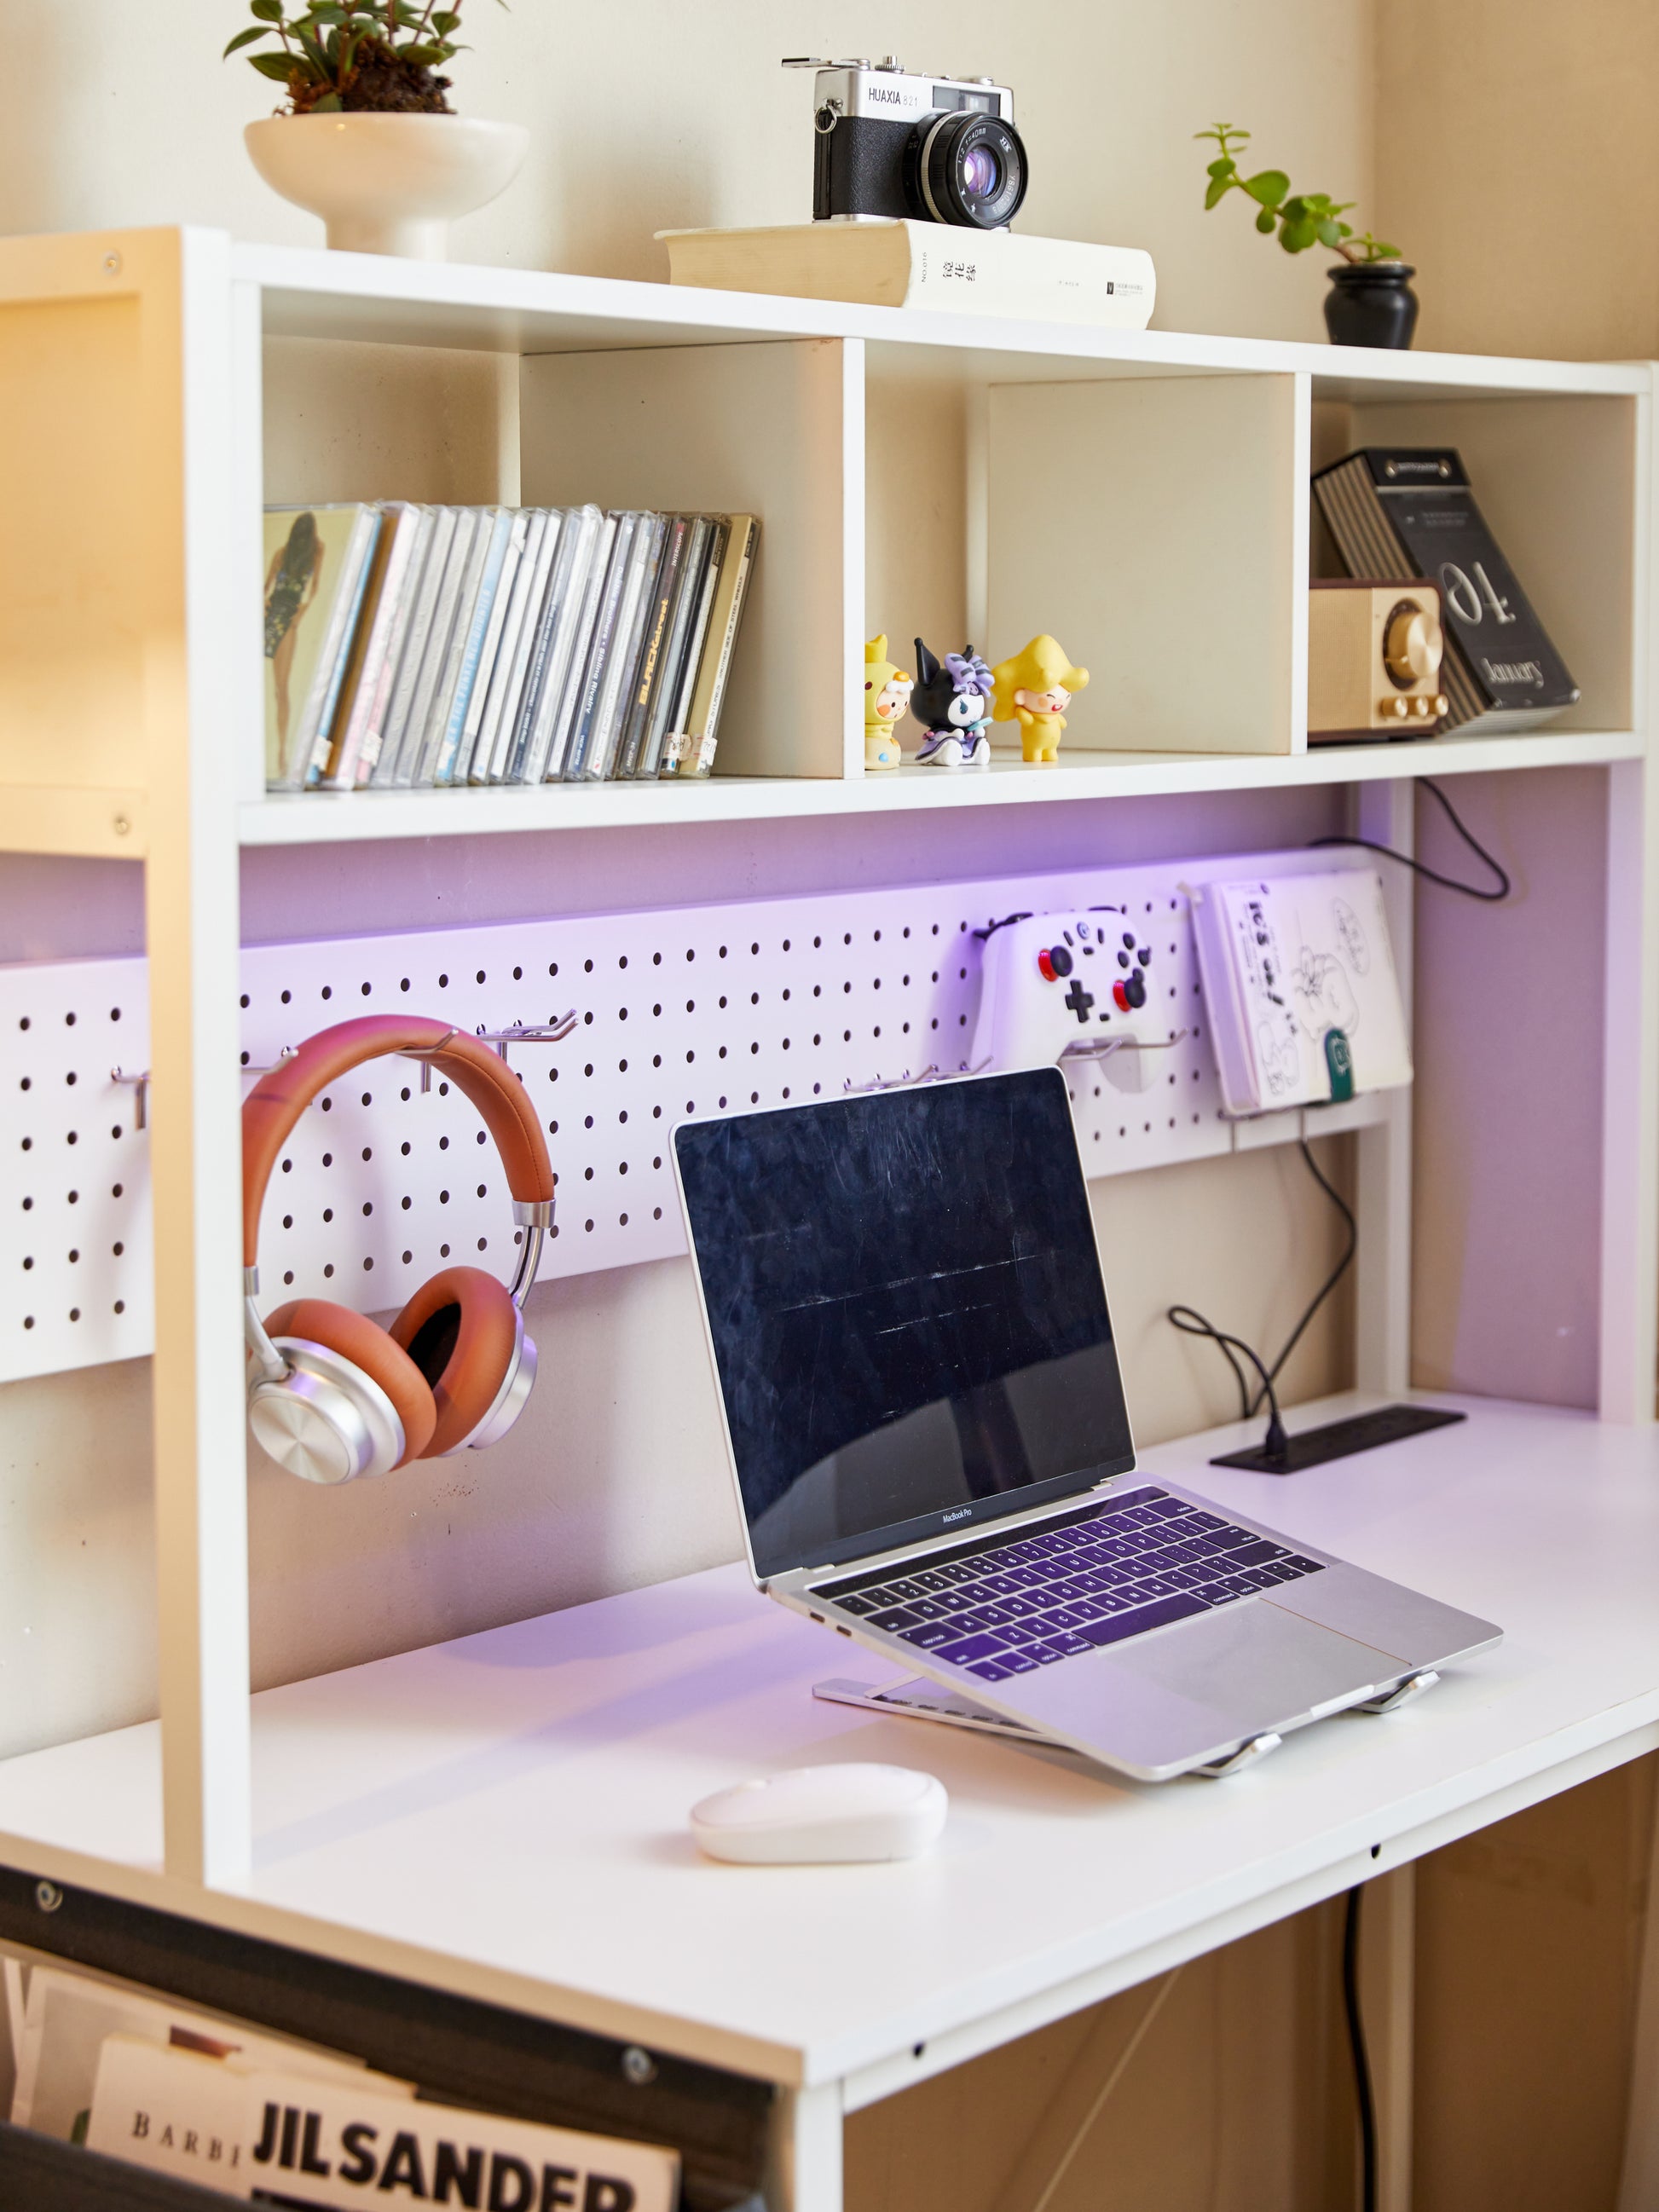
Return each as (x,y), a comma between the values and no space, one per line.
(1629,1101)
(805,2162)
(192,928)
(1385,813)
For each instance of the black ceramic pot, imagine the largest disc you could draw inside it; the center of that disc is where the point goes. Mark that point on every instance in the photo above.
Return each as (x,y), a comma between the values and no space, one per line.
(1371,304)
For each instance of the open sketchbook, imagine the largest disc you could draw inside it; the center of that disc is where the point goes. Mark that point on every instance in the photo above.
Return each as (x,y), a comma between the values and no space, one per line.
(1299,977)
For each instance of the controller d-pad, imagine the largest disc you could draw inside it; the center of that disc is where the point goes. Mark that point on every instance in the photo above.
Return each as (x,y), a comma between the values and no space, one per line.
(1079,999)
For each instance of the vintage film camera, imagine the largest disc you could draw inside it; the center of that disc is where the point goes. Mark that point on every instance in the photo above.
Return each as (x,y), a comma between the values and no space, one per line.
(938,150)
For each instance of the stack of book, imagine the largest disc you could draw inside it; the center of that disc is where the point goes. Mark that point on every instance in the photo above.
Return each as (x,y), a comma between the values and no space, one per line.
(411,647)
(1399,513)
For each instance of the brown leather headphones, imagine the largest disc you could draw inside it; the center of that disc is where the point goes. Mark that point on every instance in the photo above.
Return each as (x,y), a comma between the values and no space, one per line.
(331,1393)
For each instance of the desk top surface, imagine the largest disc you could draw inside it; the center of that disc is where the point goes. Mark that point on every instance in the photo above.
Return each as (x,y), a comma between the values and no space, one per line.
(505,1814)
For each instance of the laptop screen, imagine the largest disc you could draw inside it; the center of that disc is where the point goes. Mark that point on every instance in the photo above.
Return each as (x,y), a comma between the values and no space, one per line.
(909,1321)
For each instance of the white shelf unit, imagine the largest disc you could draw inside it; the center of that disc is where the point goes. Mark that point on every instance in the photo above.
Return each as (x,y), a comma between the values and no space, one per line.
(131,414)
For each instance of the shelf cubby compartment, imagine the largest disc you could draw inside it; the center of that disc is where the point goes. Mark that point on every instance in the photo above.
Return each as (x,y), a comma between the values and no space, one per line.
(774,430)
(1555,475)
(1154,525)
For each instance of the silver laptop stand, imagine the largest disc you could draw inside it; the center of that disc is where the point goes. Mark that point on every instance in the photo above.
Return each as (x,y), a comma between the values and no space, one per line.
(915,1697)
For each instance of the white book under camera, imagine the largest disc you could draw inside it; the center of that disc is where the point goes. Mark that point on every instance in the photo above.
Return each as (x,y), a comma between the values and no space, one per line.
(939,267)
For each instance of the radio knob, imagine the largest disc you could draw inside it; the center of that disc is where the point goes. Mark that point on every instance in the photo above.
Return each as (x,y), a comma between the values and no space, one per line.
(1413,647)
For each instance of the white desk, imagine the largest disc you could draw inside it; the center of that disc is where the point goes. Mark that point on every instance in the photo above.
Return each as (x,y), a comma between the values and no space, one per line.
(505,1815)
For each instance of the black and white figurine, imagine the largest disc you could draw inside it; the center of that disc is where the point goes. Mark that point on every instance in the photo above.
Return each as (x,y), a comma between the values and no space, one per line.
(952,703)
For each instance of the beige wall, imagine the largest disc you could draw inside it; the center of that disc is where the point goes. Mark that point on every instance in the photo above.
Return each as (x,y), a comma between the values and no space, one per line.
(1514,169)
(658,113)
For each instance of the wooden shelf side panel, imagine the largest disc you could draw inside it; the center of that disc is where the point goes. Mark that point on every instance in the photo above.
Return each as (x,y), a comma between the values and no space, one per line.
(91,565)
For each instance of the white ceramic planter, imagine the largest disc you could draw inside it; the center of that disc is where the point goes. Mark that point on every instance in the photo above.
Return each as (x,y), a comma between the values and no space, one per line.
(387,183)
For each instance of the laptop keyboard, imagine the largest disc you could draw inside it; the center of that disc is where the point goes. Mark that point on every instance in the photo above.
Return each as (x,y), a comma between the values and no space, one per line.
(1001,1606)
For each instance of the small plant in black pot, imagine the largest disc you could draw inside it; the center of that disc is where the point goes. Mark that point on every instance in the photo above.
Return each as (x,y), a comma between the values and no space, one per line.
(1371,302)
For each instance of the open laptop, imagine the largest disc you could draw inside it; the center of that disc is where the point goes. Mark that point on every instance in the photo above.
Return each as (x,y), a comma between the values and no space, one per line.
(927,1430)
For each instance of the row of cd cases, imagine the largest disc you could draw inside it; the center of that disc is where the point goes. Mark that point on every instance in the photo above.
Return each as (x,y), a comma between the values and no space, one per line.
(412,645)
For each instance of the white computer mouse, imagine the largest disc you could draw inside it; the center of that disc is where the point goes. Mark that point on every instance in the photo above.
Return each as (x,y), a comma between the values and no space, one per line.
(810,1814)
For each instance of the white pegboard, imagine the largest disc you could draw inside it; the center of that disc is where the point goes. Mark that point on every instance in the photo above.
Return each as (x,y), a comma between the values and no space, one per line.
(76,1276)
(692,1011)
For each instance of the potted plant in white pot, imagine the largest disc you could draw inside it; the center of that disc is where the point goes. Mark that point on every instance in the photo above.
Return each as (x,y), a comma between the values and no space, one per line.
(368,139)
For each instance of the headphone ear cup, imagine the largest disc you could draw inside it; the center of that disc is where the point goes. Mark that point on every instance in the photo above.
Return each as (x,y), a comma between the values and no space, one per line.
(366,1346)
(464,1334)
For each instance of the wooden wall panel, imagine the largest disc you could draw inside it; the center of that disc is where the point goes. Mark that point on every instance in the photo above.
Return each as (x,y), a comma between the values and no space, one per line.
(1527,1943)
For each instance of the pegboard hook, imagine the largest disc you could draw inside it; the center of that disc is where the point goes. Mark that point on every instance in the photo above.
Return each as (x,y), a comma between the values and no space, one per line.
(140,1091)
(423,1053)
(520,1033)
(888,1082)
(1104,1047)
(524,1033)
(931,1073)
(288,1051)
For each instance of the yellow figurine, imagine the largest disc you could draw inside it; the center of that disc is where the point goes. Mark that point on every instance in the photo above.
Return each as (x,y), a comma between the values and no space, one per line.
(1034,690)
(886,701)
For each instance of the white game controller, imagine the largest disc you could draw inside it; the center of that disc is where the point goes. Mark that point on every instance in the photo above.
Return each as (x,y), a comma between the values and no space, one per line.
(1058,986)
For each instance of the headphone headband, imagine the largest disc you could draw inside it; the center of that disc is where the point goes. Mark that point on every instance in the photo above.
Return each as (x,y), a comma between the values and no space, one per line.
(283,1092)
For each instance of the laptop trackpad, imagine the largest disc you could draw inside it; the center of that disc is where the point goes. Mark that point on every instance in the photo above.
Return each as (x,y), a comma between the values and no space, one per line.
(1256,1663)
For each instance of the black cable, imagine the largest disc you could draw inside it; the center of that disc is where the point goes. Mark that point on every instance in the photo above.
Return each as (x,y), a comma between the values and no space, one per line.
(1223,1345)
(1331,1280)
(1361,2064)
(1197,1324)
(1275,1443)
(1418,867)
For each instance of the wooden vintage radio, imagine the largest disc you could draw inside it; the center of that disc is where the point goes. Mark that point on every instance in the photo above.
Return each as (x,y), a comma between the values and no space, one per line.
(1374,653)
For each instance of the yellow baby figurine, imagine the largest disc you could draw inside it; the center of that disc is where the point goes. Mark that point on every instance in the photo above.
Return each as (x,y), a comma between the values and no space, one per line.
(1034,690)
(886,700)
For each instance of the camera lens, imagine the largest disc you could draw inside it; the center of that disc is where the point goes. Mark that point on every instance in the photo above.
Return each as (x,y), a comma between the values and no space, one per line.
(965,167)
(981,172)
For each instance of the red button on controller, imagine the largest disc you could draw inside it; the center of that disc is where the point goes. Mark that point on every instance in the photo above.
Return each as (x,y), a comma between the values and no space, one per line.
(1046,967)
